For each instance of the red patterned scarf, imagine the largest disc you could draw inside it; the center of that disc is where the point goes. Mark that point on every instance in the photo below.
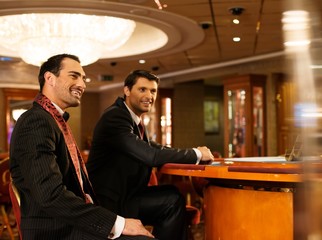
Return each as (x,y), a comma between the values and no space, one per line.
(74,152)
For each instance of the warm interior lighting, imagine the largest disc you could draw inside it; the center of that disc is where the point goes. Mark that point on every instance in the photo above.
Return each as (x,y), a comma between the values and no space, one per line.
(295,26)
(37,36)
(316,66)
(16,113)
(235,21)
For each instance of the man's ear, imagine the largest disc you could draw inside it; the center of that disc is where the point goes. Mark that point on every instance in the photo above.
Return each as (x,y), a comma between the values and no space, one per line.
(50,78)
(126,91)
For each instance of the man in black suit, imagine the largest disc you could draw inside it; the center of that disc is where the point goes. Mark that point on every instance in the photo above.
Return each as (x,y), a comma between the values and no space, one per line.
(57,199)
(121,159)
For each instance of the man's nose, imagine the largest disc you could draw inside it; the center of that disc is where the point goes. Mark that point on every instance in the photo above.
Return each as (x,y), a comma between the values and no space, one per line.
(81,82)
(150,94)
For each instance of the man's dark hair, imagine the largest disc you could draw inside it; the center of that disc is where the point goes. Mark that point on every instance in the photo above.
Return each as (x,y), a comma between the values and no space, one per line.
(53,65)
(132,78)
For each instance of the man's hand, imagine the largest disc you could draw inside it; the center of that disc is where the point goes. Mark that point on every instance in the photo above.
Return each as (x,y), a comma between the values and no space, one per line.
(206,154)
(134,227)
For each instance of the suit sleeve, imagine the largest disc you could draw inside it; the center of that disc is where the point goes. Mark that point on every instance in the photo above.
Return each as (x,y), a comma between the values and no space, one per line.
(117,130)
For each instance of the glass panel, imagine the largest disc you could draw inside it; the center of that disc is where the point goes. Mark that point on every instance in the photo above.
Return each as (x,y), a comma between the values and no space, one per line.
(166,123)
(150,123)
(258,121)
(237,123)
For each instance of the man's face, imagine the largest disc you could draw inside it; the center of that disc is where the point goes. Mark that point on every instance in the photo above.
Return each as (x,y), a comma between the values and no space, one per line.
(69,86)
(142,96)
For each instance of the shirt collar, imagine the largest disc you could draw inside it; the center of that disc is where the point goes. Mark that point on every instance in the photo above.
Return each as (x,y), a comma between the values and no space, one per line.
(135,117)
(58,108)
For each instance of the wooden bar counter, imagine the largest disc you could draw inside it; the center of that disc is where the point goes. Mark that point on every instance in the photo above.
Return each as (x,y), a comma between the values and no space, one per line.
(250,200)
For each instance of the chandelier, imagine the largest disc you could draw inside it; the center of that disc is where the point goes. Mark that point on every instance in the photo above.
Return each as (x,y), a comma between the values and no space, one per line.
(37,36)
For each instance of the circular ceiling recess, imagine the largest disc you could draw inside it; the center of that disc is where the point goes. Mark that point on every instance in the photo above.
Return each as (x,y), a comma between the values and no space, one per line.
(157,32)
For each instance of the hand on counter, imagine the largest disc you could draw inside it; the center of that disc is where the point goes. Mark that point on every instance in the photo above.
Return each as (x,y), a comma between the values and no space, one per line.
(206,154)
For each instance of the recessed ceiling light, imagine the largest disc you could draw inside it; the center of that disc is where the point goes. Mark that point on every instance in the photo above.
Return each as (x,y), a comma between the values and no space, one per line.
(235,21)
(236,39)
(142,61)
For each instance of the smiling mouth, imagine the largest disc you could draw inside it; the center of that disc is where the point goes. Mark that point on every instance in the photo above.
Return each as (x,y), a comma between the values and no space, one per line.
(147,103)
(76,93)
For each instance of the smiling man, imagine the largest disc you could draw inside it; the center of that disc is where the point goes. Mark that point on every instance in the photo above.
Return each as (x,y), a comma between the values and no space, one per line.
(57,199)
(121,159)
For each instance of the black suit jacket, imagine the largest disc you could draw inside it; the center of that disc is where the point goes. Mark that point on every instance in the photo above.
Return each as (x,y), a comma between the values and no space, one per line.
(52,204)
(120,163)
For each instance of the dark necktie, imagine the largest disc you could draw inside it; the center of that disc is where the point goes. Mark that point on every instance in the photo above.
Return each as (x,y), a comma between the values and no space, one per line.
(66,116)
(141,128)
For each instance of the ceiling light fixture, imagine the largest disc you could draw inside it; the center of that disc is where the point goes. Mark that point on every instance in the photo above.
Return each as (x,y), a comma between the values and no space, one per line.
(236,11)
(158,3)
(168,33)
(235,21)
(37,36)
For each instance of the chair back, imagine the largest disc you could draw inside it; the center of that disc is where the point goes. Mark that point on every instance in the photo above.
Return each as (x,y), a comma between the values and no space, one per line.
(153,178)
(15,201)
(8,192)
(5,202)
(4,180)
